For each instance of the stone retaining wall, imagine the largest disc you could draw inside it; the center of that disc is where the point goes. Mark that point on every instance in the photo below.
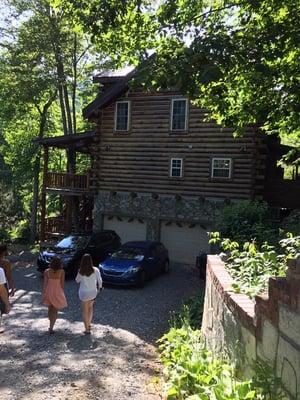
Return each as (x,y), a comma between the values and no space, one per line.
(153,208)
(245,330)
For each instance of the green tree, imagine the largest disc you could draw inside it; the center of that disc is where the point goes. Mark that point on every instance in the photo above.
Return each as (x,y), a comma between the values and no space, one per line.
(42,62)
(239,59)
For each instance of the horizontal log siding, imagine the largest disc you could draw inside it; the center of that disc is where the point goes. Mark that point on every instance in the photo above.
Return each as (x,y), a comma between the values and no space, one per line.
(140,160)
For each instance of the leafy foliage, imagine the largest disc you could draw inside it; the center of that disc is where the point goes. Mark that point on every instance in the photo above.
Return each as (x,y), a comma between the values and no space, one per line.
(9,211)
(251,266)
(122,29)
(292,222)
(248,220)
(239,59)
(42,63)
(190,314)
(193,373)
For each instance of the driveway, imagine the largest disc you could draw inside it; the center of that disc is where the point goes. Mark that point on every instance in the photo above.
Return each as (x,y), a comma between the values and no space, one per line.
(117,362)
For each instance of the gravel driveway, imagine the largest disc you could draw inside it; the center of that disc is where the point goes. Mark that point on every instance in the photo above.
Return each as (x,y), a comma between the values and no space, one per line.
(118,361)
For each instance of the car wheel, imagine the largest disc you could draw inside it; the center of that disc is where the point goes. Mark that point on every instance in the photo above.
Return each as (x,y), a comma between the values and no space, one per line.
(142,279)
(166,267)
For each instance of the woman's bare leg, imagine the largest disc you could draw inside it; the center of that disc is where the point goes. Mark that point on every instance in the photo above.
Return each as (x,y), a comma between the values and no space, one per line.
(91,309)
(52,315)
(85,314)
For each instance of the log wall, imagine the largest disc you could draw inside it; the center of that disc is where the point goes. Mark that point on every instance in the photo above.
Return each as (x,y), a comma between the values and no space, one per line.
(139,160)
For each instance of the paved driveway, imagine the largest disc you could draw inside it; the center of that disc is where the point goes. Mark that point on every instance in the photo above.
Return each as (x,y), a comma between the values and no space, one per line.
(118,361)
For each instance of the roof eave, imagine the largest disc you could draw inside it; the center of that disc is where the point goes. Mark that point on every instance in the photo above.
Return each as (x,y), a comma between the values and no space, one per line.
(108,96)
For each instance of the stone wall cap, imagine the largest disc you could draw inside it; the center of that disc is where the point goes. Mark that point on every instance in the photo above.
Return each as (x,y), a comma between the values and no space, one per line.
(238,303)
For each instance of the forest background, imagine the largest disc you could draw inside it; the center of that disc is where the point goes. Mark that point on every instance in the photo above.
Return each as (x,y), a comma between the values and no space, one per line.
(239,59)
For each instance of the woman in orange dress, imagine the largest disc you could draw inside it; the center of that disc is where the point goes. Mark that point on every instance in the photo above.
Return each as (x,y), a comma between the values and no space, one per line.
(53,291)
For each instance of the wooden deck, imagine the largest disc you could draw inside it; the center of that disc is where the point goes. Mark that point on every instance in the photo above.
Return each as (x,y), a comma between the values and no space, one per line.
(56,227)
(66,182)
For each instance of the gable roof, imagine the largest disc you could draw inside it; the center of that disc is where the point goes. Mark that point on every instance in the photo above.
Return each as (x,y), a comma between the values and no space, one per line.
(109,94)
(112,76)
(119,80)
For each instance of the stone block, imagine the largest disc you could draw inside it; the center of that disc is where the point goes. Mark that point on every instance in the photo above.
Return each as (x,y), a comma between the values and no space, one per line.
(267,347)
(289,323)
(232,334)
(249,343)
(288,367)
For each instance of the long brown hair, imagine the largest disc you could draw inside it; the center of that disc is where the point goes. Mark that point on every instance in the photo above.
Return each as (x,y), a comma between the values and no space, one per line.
(55,264)
(86,265)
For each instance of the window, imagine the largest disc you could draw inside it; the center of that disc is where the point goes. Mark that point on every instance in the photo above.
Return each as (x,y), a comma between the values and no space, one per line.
(176,168)
(179,115)
(221,168)
(122,116)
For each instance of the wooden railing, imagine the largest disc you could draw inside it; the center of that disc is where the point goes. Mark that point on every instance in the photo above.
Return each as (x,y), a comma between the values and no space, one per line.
(55,226)
(67,181)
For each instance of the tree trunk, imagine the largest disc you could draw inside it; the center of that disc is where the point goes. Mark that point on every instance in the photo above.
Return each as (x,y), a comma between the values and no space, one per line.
(74,86)
(36,169)
(62,109)
(33,218)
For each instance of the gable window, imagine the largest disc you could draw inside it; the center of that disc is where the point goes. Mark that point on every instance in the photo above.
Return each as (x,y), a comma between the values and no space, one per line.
(176,168)
(122,116)
(221,168)
(179,115)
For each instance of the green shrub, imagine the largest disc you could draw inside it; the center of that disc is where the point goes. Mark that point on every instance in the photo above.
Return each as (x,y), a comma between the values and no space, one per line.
(21,231)
(292,223)
(251,266)
(248,220)
(190,314)
(10,211)
(193,373)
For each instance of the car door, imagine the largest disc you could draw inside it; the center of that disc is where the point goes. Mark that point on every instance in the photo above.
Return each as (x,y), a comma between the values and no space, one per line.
(92,248)
(151,262)
(161,256)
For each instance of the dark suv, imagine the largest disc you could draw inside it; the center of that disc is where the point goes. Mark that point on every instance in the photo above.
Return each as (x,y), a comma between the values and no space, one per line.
(71,248)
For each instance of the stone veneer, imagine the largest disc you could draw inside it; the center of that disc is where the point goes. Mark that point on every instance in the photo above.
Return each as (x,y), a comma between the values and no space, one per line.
(154,208)
(245,330)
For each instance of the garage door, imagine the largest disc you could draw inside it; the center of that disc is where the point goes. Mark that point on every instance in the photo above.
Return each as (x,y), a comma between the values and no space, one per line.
(127,228)
(183,240)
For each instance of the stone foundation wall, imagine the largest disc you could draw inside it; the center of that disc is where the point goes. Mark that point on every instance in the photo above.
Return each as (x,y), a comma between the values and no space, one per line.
(153,208)
(267,328)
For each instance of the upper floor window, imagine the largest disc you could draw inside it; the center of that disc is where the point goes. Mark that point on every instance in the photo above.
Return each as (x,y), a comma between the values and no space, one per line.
(122,114)
(176,167)
(221,168)
(179,115)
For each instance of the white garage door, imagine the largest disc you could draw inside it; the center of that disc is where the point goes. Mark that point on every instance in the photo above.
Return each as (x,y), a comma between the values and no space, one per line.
(184,241)
(129,229)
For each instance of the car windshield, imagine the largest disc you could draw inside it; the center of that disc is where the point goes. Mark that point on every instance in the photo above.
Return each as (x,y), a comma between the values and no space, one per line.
(129,253)
(73,242)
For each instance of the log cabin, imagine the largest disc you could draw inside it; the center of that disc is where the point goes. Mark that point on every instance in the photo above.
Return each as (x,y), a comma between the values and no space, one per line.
(160,170)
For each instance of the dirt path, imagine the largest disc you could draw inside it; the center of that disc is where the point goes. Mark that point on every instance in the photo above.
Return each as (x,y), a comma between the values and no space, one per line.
(118,361)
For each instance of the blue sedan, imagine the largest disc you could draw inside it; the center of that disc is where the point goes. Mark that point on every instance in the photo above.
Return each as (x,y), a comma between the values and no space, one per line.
(134,263)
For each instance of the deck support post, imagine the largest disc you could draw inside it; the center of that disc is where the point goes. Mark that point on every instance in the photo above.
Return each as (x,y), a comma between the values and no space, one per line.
(43,196)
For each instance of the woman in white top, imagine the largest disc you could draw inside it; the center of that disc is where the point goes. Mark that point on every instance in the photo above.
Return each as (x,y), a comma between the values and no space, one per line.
(90,282)
(4,302)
